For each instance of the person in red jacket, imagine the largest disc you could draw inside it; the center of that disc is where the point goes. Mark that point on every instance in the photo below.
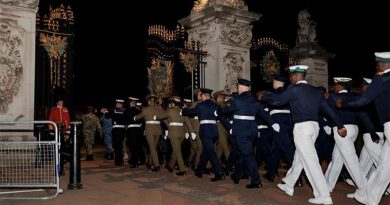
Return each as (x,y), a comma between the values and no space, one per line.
(60,115)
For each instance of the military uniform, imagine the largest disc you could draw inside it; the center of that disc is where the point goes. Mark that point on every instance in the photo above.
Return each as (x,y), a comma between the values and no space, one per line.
(152,130)
(305,102)
(196,145)
(344,151)
(222,147)
(281,145)
(119,121)
(209,133)
(244,108)
(176,132)
(379,93)
(90,125)
(60,115)
(134,135)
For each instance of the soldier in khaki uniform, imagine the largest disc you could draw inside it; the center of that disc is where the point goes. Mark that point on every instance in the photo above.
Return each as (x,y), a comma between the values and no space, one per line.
(176,132)
(90,125)
(222,143)
(152,128)
(196,145)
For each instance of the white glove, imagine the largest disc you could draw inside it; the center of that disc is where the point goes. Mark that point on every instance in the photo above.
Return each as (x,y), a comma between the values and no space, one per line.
(276,127)
(165,137)
(231,131)
(193,136)
(154,117)
(327,129)
(186,135)
(166,133)
(258,134)
(215,113)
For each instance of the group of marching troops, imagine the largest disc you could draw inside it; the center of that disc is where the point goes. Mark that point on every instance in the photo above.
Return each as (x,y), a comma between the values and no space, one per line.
(299,124)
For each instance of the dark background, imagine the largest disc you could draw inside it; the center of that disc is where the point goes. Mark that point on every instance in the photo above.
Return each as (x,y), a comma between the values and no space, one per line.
(352,31)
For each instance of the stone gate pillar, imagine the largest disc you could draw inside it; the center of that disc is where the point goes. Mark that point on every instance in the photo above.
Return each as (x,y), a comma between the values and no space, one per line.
(17,61)
(224,31)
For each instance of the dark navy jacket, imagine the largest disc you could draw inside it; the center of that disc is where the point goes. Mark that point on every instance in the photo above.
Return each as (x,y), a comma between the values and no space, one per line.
(349,116)
(283,119)
(266,119)
(245,105)
(205,111)
(305,102)
(118,116)
(379,92)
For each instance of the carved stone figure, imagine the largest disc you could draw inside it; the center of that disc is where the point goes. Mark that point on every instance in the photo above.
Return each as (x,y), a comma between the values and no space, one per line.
(11,68)
(234,65)
(307,28)
(32,4)
(236,33)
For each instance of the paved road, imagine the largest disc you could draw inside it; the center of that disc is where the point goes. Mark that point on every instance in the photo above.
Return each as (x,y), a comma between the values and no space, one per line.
(105,184)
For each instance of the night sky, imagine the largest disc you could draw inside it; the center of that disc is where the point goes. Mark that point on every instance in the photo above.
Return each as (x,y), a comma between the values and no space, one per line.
(102,72)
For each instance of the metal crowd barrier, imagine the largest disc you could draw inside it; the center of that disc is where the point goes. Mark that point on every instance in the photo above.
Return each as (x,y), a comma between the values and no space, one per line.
(30,169)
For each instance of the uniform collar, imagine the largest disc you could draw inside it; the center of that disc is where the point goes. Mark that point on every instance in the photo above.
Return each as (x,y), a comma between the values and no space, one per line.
(301,81)
(343,91)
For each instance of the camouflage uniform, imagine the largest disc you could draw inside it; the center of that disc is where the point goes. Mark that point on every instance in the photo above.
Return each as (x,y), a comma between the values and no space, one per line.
(90,124)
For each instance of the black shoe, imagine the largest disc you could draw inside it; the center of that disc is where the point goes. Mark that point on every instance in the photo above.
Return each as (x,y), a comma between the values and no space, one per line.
(299,183)
(245,176)
(198,174)
(269,178)
(218,177)
(156,169)
(89,157)
(110,156)
(254,186)
(226,172)
(235,179)
(207,171)
(183,173)
(168,168)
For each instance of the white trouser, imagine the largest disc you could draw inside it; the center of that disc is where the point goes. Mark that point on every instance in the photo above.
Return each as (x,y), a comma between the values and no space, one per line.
(369,156)
(305,135)
(380,178)
(344,153)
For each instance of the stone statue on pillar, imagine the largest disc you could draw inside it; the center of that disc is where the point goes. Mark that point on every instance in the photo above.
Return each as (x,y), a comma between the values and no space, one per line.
(223,27)
(308,51)
(17,64)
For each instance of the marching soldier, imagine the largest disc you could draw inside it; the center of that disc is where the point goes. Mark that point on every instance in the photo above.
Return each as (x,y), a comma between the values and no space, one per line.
(305,102)
(206,111)
(379,93)
(196,145)
(264,138)
(281,146)
(90,125)
(244,108)
(134,133)
(152,128)
(222,143)
(119,121)
(344,150)
(371,151)
(176,133)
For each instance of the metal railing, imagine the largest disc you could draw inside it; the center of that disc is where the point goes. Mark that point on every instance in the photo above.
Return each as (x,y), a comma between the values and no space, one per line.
(27,167)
